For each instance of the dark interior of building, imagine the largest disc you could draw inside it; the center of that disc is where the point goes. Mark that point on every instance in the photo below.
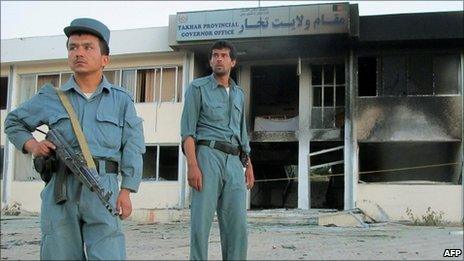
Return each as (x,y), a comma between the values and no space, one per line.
(274,160)
(274,91)
(327,191)
(409,162)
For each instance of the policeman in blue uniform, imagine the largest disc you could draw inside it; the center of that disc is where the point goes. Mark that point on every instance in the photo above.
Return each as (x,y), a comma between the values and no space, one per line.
(214,134)
(114,135)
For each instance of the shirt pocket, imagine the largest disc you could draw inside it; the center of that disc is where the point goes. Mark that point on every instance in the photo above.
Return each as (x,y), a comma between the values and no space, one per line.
(62,124)
(237,113)
(108,130)
(215,111)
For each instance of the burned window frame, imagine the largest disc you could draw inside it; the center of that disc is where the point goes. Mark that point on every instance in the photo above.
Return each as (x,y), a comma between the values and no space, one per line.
(409,57)
(156,176)
(338,108)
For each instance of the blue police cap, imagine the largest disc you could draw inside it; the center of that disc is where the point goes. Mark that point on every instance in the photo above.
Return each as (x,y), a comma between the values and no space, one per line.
(89,25)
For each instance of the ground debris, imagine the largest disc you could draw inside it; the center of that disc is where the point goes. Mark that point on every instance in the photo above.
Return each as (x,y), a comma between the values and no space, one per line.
(292,247)
(12,210)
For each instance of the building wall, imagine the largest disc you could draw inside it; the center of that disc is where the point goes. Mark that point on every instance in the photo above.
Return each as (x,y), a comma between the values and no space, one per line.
(395,199)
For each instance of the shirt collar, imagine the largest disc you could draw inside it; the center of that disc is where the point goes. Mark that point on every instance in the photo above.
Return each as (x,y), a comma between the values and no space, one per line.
(232,83)
(72,84)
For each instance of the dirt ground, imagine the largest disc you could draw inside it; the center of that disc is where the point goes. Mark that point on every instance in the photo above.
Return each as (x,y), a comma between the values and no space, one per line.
(20,239)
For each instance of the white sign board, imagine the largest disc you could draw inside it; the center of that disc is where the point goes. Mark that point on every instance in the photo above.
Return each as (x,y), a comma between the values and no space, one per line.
(263,22)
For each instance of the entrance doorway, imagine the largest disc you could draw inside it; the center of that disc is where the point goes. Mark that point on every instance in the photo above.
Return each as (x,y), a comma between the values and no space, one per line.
(274,111)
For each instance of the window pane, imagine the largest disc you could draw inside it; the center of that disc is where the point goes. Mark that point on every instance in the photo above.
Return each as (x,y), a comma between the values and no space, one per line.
(316,118)
(340,73)
(44,79)
(145,85)
(394,75)
(339,117)
(65,78)
(3,92)
(149,162)
(316,72)
(27,88)
(328,74)
(157,84)
(340,96)
(420,75)
(446,69)
(179,84)
(328,96)
(329,118)
(168,85)
(128,80)
(168,168)
(112,76)
(317,96)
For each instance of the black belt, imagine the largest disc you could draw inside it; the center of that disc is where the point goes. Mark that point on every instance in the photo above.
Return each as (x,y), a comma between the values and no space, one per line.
(223,146)
(110,166)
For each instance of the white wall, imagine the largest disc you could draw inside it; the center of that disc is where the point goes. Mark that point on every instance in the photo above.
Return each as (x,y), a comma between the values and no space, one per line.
(395,199)
(46,48)
(150,195)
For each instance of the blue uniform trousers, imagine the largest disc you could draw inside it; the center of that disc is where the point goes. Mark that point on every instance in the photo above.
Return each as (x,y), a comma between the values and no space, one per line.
(224,191)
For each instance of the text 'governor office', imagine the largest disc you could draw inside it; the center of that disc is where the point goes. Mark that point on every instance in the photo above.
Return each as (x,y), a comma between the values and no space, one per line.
(340,108)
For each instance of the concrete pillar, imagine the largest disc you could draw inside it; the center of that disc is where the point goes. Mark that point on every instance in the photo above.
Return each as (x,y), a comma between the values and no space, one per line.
(351,145)
(304,137)
(244,81)
(187,77)
(9,149)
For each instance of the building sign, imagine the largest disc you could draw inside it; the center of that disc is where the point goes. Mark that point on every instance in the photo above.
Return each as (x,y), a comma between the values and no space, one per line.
(263,22)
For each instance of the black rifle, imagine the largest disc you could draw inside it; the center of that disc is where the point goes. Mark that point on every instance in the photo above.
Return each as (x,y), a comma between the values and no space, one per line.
(78,166)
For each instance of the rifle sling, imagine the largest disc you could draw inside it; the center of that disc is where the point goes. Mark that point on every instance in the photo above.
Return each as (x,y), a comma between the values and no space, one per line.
(77,129)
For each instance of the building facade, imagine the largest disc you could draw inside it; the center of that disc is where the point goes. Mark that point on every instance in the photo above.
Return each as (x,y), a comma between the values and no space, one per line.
(341,108)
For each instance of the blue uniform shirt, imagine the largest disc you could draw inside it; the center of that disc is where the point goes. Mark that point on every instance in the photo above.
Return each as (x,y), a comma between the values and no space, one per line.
(211,114)
(108,120)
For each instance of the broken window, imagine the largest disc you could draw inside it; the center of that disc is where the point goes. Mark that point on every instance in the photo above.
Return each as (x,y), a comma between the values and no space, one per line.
(150,160)
(328,99)
(409,162)
(168,163)
(411,74)
(274,98)
(420,75)
(393,76)
(161,163)
(3,92)
(446,74)
(367,76)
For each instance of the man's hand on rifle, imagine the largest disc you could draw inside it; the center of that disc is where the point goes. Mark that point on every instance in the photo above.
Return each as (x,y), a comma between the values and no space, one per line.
(42,148)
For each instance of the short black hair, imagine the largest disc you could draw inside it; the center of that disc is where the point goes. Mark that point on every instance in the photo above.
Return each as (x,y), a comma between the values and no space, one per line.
(104,48)
(221,44)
